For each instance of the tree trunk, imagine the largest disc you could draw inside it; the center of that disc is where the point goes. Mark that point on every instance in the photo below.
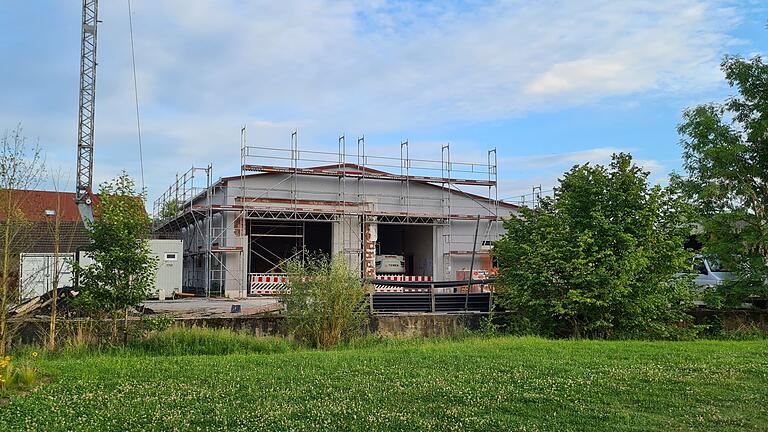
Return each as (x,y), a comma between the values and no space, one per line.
(5,286)
(125,327)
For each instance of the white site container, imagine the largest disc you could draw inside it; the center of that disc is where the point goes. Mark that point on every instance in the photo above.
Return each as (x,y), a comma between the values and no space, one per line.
(169,265)
(38,273)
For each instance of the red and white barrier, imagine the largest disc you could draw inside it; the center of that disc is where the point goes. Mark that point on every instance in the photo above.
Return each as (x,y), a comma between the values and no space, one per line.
(404,278)
(387,289)
(267,284)
(274,284)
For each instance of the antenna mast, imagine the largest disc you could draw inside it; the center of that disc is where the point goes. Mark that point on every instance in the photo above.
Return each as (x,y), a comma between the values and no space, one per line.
(87,110)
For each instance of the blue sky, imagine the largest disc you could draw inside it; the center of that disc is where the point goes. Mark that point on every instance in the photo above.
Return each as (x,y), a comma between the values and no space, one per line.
(549,83)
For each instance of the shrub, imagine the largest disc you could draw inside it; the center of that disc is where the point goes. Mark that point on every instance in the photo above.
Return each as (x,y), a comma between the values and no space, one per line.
(598,259)
(326,303)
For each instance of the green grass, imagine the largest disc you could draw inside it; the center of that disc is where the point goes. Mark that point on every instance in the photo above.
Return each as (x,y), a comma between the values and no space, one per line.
(473,384)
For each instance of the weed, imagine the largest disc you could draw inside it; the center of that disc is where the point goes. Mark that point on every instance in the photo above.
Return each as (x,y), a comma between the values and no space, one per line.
(205,341)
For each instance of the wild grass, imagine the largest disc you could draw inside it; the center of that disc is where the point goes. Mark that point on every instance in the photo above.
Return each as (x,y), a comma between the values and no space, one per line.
(177,341)
(17,375)
(205,341)
(498,383)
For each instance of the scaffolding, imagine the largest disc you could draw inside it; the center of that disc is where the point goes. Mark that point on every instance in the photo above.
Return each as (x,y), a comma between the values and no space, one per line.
(213,218)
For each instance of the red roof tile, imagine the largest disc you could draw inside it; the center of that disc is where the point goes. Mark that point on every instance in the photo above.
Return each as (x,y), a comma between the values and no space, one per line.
(34,203)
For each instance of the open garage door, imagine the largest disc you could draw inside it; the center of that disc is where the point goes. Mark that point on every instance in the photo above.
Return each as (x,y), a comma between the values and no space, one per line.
(271,242)
(414,243)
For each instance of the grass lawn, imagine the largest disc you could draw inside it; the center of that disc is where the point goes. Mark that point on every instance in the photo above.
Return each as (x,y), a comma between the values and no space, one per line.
(475,384)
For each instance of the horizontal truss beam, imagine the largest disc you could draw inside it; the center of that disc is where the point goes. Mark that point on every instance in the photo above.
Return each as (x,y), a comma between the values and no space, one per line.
(362,174)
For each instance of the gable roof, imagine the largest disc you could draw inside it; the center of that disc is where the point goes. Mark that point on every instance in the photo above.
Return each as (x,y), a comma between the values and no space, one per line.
(361,169)
(39,236)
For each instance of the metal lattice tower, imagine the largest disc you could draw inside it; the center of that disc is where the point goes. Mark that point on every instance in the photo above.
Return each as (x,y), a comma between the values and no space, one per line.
(87,104)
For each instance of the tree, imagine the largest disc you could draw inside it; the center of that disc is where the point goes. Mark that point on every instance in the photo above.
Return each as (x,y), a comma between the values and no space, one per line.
(60,239)
(598,259)
(169,209)
(725,157)
(325,304)
(21,168)
(122,272)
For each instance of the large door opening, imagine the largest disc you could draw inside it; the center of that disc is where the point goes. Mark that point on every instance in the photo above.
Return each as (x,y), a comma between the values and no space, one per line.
(413,242)
(272,242)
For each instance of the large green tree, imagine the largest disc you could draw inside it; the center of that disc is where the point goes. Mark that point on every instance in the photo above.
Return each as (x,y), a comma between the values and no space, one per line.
(122,272)
(598,259)
(725,156)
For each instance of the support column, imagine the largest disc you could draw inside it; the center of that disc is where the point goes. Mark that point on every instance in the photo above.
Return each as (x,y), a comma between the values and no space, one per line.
(370,236)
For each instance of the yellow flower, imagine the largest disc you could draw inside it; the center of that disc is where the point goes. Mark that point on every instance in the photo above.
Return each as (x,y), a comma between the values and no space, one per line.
(34,353)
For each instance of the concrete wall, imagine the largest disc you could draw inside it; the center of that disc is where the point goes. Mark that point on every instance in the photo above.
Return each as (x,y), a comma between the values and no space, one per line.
(401,325)
(425,325)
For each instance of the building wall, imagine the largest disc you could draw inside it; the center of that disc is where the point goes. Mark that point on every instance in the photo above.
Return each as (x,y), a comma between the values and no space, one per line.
(274,191)
(381,195)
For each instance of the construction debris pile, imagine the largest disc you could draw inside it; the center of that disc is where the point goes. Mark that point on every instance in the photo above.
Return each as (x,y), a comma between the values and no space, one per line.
(42,305)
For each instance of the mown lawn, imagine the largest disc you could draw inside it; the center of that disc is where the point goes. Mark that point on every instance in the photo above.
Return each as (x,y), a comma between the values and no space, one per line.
(476,384)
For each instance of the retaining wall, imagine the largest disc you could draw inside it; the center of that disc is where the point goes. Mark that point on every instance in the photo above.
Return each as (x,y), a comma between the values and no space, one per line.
(400,324)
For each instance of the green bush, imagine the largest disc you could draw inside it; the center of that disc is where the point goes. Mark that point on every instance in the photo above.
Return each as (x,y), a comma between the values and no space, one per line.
(205,341)
(599,259)
(326,303)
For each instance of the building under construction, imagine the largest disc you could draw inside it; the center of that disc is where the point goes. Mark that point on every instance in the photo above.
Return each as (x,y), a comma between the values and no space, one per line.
(441,215)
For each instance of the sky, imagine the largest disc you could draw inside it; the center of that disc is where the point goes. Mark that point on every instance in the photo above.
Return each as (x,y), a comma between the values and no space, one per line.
(549,84)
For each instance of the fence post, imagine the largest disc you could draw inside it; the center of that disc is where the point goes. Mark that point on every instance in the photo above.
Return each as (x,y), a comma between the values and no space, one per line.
(370,297)
(432,296)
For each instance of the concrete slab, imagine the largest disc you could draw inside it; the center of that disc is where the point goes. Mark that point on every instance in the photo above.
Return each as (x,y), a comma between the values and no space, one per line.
(204,306)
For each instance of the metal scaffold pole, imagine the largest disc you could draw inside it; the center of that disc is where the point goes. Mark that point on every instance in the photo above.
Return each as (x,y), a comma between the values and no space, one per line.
(294,167)
(445,173)
(405,164)
(209,222)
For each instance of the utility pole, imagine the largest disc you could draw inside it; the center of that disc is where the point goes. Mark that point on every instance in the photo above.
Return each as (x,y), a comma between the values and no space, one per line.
(87,110)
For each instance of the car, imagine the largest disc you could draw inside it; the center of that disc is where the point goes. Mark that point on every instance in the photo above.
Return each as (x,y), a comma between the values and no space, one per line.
(706,272)
(390,264)
(709,271)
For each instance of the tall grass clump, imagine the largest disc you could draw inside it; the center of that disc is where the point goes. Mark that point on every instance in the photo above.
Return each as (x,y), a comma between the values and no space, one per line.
(15,376)
(326,302)
(205,341)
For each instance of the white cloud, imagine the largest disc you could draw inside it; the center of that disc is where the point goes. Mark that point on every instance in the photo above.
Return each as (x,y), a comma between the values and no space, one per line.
(651,165)
(384,65)
(546,170)
(579,75)
(207,67)
(595,155)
